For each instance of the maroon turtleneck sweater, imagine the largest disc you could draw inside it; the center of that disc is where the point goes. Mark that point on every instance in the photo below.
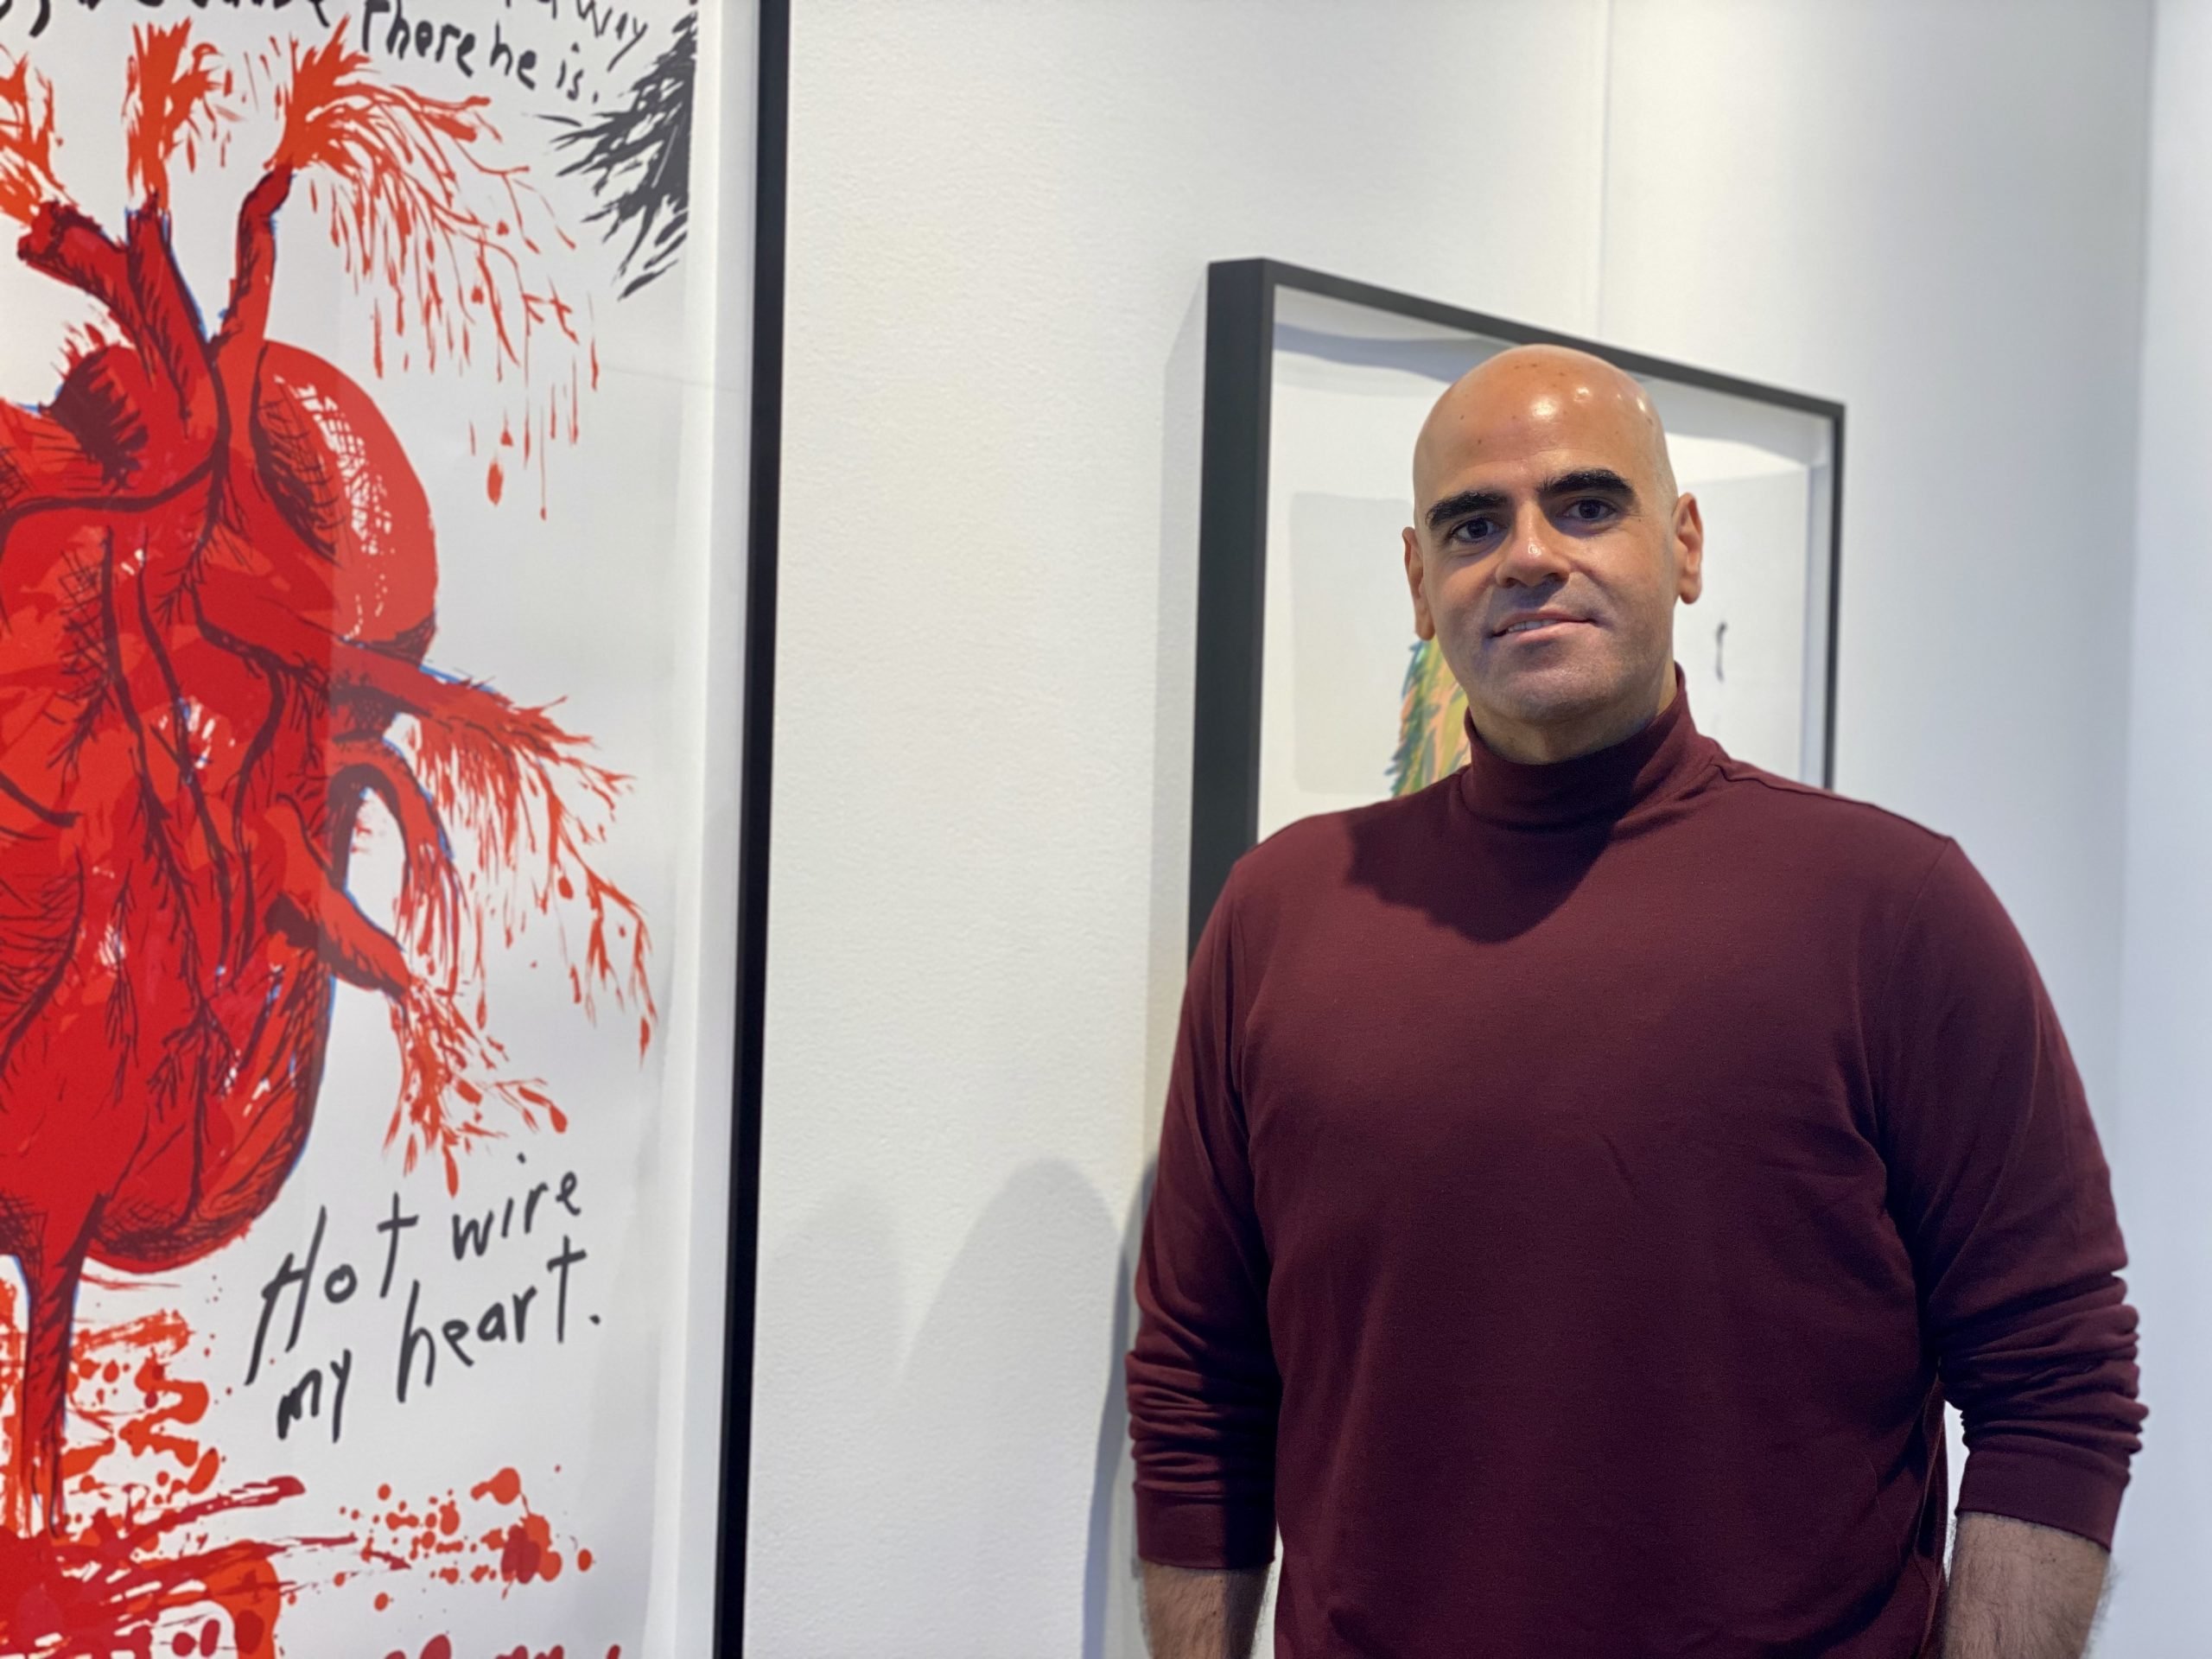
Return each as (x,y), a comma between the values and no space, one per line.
(1582,1186)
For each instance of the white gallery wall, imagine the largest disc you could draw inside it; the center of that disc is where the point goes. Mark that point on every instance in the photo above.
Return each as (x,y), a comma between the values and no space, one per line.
(2162,1154)
(1000,219)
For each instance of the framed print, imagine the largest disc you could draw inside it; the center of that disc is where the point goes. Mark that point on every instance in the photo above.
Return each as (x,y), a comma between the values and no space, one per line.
(378,392)
(1313,693)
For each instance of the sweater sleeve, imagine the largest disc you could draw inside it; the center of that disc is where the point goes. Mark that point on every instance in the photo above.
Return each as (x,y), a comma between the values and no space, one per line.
(2000,1191)
(1202,1387)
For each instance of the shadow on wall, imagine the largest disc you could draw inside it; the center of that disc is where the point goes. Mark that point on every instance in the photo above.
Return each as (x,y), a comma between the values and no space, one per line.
(1112,1593)
(989,1417)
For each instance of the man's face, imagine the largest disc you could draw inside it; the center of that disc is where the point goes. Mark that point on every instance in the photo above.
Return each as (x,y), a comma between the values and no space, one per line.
(1548,551)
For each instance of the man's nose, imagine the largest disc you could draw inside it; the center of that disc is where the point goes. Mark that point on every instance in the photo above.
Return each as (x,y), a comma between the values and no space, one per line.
(1532,553)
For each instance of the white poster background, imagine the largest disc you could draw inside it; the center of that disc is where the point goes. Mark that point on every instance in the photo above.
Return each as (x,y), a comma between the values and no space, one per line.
(619,603)
(1339,626)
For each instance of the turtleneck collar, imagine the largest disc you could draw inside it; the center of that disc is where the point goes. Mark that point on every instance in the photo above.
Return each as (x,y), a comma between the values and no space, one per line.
(1658,759)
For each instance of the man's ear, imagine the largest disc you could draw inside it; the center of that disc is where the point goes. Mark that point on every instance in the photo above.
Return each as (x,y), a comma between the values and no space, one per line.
(1689,550)
(1424,624)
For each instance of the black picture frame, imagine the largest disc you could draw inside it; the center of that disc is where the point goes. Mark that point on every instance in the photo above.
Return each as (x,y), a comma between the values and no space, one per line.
(764,511)
(1233,528)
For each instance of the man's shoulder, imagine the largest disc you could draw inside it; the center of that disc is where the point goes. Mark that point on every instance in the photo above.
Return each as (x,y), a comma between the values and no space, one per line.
(1327,849)
(1840,833)
(1759,821)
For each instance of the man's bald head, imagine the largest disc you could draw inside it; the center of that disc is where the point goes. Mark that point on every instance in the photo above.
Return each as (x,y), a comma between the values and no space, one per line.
(1549,548)
(1557,384)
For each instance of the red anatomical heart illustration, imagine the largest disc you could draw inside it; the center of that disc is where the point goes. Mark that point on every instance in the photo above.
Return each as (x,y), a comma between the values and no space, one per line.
(218,577)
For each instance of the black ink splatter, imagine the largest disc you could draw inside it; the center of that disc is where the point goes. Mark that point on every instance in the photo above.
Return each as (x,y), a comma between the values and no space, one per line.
(637,157)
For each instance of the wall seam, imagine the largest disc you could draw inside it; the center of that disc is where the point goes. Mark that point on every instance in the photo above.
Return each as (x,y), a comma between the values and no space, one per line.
(2116,1115)
(1597,319)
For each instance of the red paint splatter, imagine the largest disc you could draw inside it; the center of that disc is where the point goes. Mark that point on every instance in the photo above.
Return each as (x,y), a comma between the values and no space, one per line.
(104,1590)
(437,1537)
(495,482)
(525,1552)
(132,1414)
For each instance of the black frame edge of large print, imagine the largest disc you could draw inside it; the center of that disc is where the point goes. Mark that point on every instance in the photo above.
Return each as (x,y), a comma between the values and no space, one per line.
(1233,529)
(757,726)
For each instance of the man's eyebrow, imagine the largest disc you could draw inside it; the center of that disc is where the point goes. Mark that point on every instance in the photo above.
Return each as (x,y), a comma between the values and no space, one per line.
(1588,481)
(1584,480)
(1467,501)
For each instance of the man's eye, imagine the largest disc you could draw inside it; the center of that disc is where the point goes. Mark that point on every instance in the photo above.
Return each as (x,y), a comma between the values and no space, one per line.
(1474,530)
(1590,511)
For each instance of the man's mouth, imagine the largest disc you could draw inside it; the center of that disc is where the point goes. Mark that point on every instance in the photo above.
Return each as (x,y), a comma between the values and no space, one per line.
(1542,625)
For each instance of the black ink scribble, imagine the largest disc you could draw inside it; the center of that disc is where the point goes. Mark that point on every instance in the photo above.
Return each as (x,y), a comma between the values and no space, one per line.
(45,15)
(637,157)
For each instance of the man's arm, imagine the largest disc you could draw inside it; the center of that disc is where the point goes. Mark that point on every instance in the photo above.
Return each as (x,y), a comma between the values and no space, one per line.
(1192,1614)
(1999,1191)
(2019,1590)
(1204,1391)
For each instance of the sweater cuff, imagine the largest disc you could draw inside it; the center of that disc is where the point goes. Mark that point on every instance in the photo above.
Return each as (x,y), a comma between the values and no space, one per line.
(1205,1534)
(2043,1486)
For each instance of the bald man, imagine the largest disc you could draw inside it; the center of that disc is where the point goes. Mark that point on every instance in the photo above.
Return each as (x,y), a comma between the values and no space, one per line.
(1584,1180)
